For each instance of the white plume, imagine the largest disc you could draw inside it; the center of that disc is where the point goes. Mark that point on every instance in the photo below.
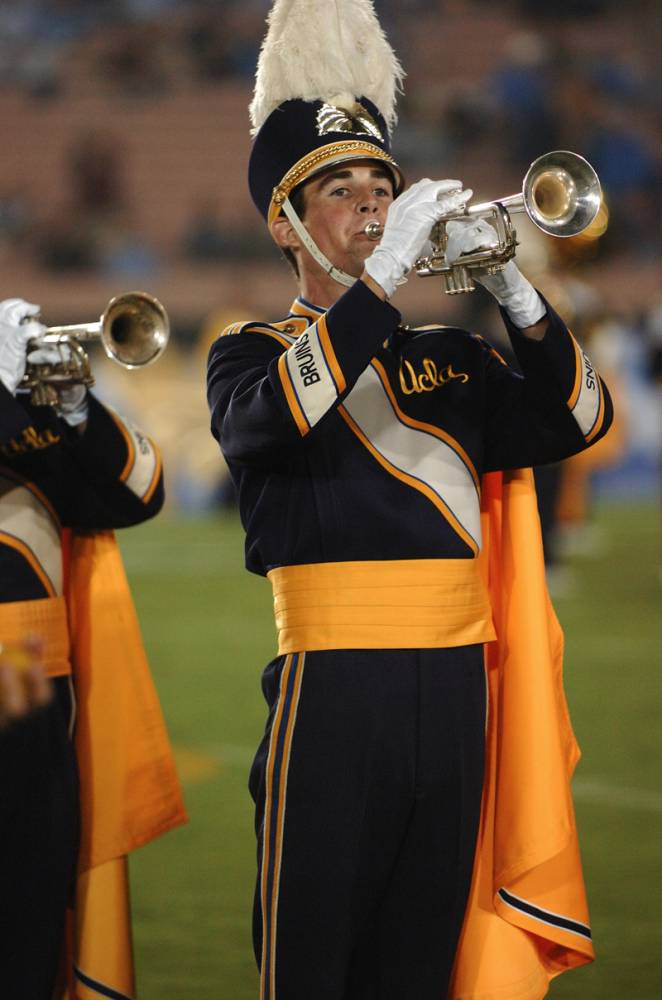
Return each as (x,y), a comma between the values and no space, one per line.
(318,49)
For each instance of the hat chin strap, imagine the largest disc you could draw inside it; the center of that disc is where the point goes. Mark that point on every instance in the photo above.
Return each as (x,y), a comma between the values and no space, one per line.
(340,276)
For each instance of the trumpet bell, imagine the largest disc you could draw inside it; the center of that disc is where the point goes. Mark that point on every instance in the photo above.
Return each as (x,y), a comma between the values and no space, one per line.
(561,193)
(134,329)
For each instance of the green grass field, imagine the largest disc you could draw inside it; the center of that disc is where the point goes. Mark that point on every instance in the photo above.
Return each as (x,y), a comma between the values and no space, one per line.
(208,630)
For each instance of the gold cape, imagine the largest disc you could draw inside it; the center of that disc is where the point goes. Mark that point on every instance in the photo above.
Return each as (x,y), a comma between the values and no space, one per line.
(129,788)
(527,918)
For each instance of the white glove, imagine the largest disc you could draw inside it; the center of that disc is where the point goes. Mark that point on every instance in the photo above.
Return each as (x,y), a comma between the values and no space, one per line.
(509,287)
(72,403)
(17,327)
(409,222)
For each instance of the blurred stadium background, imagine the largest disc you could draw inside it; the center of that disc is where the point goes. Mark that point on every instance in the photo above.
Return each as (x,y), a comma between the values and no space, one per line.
(124,146)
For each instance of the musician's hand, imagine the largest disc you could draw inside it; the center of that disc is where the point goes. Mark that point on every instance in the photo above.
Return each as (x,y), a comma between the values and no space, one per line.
(24,687)
(408,225)
(467,236)
(72,399)
(509,286)
(17,326)
(73,406)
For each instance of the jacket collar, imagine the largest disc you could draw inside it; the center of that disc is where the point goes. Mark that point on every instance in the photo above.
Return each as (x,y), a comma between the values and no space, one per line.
(301,307)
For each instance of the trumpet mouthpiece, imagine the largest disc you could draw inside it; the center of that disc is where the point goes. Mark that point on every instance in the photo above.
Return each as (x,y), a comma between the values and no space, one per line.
(374,231)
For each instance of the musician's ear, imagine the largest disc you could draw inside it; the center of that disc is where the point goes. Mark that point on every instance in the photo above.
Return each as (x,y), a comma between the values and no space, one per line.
(283,233)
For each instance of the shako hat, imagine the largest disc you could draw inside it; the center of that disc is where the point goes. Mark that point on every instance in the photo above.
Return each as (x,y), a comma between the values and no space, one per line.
(324,94)
(300,138)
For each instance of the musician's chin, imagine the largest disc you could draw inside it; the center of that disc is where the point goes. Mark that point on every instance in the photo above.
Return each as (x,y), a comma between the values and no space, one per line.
(363,246)
(356,265)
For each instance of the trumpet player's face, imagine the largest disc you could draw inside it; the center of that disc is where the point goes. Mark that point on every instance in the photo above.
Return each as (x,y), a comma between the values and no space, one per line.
(337,207)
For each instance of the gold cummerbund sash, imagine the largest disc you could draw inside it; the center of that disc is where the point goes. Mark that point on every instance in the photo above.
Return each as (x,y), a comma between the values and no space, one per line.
(45,620)
(394,604)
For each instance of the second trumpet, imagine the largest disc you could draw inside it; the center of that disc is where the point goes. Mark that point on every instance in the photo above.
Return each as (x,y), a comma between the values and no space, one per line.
(133,331)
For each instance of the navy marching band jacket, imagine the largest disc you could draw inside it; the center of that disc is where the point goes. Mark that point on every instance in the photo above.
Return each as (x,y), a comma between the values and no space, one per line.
(350,437)
(52,478)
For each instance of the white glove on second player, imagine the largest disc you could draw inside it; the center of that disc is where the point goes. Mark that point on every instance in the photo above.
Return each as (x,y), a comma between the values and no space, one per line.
(409,222)
(72,403)
(73,406)
(509,287)
(17,327)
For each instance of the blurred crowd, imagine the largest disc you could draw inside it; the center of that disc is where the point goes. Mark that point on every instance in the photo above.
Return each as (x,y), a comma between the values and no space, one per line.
(490,86)
(210,41)
(553,77)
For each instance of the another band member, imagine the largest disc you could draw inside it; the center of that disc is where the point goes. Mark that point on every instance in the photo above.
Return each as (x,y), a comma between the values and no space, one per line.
(73,467)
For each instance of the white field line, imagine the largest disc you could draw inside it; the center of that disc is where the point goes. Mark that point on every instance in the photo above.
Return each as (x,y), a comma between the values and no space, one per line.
(593,790)
(231,753)
(600,792)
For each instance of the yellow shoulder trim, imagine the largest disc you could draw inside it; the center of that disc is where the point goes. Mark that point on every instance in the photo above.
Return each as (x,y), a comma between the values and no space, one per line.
(256,326)
(431,326)
(232,328)
(292,326)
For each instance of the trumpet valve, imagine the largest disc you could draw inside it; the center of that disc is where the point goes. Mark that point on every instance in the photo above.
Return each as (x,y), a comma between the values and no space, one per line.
(44,394)
(457,279)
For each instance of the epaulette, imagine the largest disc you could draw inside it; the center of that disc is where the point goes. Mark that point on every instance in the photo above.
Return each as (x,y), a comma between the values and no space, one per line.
(284,331)
(415,331)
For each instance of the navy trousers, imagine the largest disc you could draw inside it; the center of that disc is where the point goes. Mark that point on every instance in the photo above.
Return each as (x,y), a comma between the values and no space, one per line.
(367,788)
(39,825)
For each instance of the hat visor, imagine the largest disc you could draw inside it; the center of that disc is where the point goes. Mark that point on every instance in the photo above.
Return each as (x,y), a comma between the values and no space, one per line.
(322,159)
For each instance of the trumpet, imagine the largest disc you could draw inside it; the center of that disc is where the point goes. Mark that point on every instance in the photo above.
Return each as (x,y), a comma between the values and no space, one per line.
(133,331)
(561,195)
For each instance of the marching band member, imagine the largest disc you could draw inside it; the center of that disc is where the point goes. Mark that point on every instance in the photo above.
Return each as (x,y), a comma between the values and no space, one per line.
(68,471)
(362,451)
